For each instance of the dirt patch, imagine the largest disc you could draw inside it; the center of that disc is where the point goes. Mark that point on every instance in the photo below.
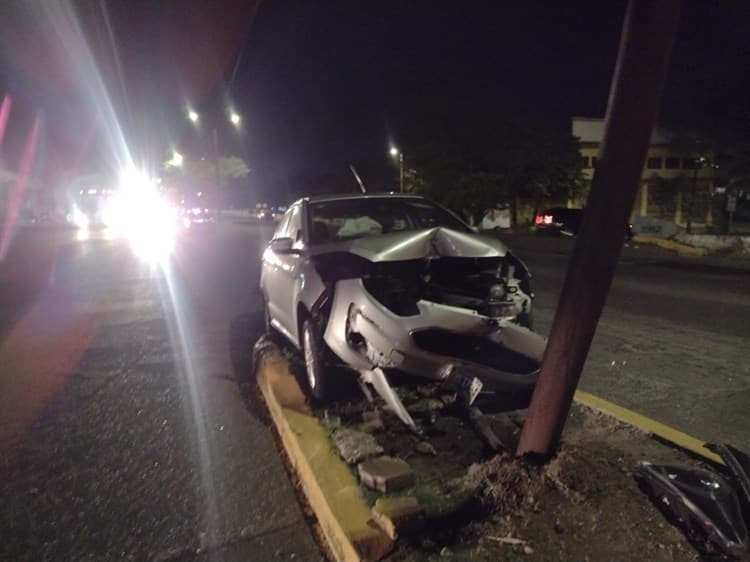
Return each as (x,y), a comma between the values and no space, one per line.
(583,505)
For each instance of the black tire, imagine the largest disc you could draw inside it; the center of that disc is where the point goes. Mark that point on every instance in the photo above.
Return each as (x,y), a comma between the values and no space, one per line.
(313,349)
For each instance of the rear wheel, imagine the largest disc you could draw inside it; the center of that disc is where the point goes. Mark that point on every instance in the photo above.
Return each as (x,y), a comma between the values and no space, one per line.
(312,349)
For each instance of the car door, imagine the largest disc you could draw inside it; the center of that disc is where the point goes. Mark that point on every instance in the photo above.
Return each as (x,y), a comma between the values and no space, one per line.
(270,270)
(282,285)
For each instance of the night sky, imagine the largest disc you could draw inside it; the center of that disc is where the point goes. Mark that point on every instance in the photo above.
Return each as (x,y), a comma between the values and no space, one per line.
(321,84)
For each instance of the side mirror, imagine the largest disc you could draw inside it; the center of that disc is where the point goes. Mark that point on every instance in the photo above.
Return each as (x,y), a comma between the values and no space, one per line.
(281,245)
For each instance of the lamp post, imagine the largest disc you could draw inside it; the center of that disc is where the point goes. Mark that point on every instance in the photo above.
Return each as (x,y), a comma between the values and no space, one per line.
(176,160)
(396,152)
(234,118)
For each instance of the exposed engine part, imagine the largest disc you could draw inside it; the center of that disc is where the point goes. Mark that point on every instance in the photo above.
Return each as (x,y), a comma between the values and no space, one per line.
(494,287)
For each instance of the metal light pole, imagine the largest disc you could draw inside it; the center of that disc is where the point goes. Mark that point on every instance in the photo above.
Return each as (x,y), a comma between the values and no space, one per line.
(647,36)
(396,152)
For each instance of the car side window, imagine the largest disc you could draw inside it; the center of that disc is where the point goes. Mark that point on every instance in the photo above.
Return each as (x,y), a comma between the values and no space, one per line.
(280,231)
(294,226)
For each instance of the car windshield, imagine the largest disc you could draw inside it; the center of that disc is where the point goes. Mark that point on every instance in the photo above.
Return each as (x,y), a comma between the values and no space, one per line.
(344,219)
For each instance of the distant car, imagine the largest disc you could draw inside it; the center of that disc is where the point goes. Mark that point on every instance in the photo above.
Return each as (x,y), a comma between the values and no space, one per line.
(384,282)
(265,214)
(197,217)
(565,222)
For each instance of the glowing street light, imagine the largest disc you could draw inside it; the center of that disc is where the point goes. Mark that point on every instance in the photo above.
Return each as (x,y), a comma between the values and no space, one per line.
(235,118)
(193,116)
(395,152)
(176,160)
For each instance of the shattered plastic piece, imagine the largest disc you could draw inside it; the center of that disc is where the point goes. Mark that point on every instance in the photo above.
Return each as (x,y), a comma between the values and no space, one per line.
(702,500)
(481,425)
(738,464)
(379,381)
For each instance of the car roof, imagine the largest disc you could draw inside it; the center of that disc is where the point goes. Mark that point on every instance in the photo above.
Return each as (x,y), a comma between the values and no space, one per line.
(355,196)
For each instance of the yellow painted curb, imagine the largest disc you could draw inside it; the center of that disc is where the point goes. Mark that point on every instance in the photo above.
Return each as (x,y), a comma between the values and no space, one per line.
(330,487)
(648,425)
(681,249)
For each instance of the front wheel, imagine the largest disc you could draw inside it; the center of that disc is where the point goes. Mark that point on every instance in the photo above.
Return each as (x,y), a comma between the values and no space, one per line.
(312,348)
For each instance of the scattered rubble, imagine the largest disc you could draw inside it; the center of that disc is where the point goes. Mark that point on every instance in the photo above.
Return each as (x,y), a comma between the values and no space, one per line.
(372,420)
(507,540)
(355,446)
(425,448)
(397,516)
(426,406)
(386,474)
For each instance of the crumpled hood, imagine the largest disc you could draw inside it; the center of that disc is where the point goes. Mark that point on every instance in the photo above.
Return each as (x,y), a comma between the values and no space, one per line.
(418,244)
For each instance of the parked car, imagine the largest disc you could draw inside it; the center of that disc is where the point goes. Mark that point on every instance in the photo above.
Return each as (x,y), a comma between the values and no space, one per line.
(396,282)
(566,222)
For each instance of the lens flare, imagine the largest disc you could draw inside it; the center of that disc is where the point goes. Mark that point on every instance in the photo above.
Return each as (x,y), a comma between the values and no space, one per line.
(79,218)
(141,215)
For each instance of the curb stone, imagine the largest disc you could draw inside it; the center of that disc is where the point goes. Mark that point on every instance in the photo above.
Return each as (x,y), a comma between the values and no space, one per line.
(681,249)
(331,489)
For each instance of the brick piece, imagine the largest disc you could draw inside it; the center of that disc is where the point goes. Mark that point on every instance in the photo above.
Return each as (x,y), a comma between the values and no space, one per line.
(354,446)
(386,474)
(397,515)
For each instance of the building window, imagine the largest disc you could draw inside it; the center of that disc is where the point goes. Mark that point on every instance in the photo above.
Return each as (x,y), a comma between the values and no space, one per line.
(593,161)
(672,163)
(689,164)
(584,161)
(653,163)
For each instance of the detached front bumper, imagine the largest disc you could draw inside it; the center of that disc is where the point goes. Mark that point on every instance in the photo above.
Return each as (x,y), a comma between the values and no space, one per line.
(440,342)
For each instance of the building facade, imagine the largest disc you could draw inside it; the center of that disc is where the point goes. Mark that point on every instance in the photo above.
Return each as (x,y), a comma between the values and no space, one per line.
(678,176)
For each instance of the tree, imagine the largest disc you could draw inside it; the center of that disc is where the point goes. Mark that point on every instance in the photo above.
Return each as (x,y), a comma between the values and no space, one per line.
(203,171)
(544,166)
(495,167)
(441,172)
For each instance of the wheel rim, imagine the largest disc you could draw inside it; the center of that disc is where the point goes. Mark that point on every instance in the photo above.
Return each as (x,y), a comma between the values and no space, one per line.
(310,359)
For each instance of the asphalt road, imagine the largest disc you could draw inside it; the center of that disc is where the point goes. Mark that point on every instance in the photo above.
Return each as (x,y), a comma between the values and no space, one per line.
(125,432)
(674,338)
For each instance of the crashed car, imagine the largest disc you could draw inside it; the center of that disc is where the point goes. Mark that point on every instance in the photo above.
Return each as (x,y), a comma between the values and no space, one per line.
(396,282)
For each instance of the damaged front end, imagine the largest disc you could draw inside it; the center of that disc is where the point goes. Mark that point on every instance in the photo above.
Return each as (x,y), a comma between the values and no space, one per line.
(439,304)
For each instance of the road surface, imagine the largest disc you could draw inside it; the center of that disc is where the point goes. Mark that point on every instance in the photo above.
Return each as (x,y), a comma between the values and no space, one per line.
(673,340)
(124,433)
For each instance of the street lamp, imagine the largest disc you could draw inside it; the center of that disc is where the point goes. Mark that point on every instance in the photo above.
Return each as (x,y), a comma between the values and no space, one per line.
(235,118)
(193,116)
(396,152)
(176,160)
